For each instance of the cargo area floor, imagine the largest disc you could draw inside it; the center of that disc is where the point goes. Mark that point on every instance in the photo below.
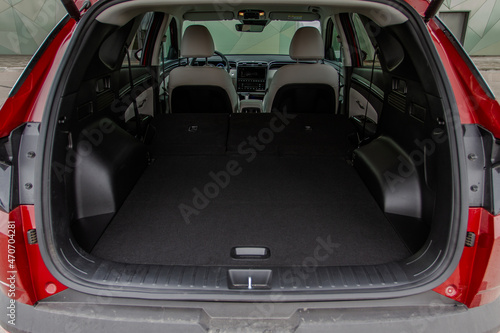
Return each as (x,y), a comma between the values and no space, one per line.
(306,210)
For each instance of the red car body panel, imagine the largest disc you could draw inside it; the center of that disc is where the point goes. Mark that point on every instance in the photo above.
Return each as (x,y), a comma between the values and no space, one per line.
(474,105)
(15,278)
(476,280)
(28,104)
(44,284)
(419,5)
(33,280)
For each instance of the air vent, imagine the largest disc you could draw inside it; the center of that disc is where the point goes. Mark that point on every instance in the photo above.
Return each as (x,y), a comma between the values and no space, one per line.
(278,65)
(252,63)
(104,100)
(397,101)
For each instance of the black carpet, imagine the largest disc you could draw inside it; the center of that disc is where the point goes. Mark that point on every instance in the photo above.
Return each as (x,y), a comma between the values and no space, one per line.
(292,205)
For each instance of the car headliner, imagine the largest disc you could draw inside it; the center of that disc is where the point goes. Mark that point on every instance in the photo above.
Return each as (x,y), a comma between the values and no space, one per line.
(381,14)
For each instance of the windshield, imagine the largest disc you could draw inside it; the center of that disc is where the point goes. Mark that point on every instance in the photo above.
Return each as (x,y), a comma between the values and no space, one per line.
(275,39)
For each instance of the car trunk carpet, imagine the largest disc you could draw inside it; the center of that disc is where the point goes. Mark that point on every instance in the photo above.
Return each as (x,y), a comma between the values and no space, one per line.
(307,210)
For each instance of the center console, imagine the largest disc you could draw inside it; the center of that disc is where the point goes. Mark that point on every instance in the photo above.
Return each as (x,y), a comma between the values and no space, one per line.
(251,77)
(251,106)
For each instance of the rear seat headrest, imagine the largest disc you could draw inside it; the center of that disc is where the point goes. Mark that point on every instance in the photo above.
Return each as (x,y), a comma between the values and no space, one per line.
(307,45)
(197,42)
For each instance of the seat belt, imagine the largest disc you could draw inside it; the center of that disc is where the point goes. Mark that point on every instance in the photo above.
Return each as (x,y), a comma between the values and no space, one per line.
(165,100)
(134,101)
(341,67)
(369,94)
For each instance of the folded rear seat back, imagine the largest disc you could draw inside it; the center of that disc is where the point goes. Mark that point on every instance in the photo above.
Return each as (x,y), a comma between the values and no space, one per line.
(298,134)
(191,134)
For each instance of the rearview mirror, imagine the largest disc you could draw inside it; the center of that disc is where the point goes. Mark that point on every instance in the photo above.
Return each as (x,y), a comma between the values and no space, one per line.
(249,27)
(138,55)
(364,55)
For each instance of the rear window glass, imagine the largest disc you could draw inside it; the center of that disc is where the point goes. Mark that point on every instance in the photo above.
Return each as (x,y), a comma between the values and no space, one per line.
(275,39)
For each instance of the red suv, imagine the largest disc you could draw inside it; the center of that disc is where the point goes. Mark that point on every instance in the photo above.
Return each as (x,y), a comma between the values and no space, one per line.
(250,166)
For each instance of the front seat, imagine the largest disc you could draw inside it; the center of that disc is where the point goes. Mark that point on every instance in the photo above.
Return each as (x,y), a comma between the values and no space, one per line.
(304,88)
(200,89)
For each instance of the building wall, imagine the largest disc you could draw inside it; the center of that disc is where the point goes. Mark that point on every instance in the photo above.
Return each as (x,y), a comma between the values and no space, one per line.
(24,24)
(483,30)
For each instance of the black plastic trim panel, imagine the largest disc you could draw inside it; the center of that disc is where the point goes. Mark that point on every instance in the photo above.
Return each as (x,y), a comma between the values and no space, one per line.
(483,168)
(17,167)
(427,312)
(208,279)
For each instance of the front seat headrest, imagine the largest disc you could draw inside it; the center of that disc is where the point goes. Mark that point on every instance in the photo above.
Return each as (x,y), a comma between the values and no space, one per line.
(197,42)
(307,45)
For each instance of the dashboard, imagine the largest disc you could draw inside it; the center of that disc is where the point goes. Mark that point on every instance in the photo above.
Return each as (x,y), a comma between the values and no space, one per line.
(251,76)
(251,73)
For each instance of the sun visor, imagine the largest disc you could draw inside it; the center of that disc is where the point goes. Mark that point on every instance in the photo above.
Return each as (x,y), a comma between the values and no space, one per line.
(294,16)
(208,16)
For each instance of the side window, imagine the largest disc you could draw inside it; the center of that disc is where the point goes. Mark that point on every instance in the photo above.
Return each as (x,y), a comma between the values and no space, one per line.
(170,45)
(364,43)
(138,42)
(333,49)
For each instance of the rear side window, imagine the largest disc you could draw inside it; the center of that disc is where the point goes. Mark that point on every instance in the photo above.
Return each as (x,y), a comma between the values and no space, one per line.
(139,41)
(333,46)
(364,44)
(169,44)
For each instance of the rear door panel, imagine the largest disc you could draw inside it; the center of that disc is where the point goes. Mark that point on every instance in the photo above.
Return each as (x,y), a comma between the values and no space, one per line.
(365,98)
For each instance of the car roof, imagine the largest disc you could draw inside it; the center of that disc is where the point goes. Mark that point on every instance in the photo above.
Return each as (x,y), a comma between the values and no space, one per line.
(381,14)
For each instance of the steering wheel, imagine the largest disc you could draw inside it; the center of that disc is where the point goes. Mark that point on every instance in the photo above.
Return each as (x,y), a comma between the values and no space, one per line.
(227,66)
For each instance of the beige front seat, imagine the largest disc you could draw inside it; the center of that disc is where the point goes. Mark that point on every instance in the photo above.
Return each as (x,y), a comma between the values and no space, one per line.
(304,88)
(200,89)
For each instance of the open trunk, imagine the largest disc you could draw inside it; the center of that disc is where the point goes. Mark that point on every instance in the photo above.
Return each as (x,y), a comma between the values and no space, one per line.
(207,203)
(302,201)
(203,196)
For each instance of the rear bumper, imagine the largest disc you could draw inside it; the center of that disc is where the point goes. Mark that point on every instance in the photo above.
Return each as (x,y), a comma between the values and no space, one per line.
(70,311)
